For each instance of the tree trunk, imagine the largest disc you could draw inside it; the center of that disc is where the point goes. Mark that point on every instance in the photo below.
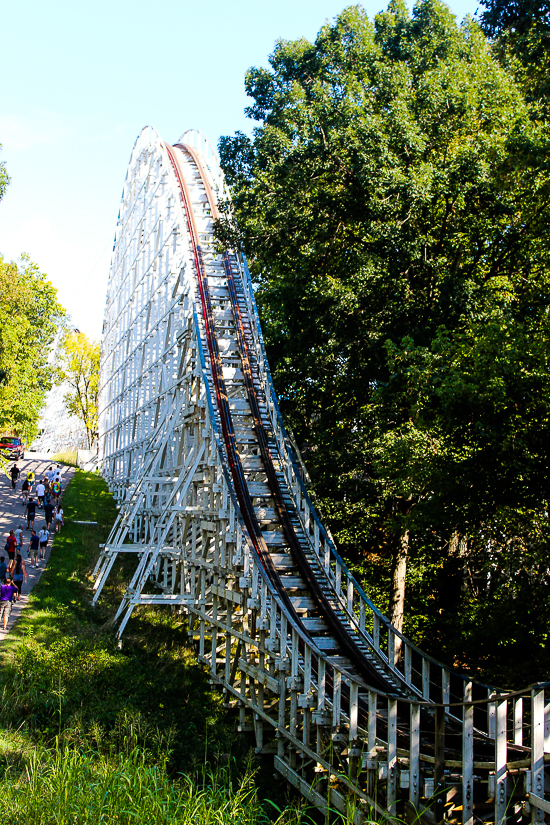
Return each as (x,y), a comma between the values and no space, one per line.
(397,593)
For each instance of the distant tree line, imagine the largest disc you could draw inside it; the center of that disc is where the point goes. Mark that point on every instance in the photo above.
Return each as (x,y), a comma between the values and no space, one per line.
(394,203)
(31,318)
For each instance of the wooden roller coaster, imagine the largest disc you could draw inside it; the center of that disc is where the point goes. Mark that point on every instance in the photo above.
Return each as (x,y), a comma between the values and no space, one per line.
(214,509)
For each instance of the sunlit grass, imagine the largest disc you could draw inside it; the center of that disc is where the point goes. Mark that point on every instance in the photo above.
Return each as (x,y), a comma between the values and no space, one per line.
(68,458)
(67,785)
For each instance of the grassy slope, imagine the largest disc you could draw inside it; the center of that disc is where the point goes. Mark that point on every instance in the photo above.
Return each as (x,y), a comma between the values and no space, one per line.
(62,669)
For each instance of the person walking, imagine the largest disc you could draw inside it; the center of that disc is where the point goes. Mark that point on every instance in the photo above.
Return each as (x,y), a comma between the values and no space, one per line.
(34,544)
(30,479)
(43,537)
(7,593)
(40,493)
(50,474)
(58,519)
(30,512)
(56,490)
(3,569)
(48,514)
(18,574)
(14,473)
(19,539)
(11,545)
(25,490)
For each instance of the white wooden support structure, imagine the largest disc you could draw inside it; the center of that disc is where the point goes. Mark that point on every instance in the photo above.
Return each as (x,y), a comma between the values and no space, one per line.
(215,515)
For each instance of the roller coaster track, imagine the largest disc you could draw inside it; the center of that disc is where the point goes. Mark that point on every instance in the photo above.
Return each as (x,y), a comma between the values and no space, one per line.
(214,510)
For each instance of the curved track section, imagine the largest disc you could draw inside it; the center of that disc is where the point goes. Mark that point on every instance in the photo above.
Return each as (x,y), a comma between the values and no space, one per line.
(214,510)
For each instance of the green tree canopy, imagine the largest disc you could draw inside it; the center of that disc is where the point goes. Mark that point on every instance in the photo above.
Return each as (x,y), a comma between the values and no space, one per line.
(521,29)
(29,320)
(78,367)
(393,202)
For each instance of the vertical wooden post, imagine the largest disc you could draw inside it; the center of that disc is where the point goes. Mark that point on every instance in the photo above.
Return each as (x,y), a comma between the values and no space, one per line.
(373,699)
(501,800)
(518,721)
(376,631)
(468,757)
(491,716)
(439,766)
(408,663)
(391,647)
(445,687)
(414,754)
(537,750)
(353,711)
(425,678)
(392,755)
(336,697)
(321,696)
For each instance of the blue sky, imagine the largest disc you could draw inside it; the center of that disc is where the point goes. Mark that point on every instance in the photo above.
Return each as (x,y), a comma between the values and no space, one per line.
(79,82)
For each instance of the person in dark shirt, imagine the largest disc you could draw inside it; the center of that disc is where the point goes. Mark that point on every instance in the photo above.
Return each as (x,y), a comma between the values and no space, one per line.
(14,472)
(34,544)
(48,514)
(7,593)
(30,512)
(3,569)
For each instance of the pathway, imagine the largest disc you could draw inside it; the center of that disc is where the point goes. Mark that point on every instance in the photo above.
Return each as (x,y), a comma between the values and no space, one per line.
(11,516)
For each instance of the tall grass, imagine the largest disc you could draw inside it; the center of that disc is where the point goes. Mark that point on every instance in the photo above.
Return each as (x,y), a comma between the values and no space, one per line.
(66,785)
(68,457)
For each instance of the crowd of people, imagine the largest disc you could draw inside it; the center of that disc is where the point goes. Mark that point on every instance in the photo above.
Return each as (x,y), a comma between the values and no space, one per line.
(45,495)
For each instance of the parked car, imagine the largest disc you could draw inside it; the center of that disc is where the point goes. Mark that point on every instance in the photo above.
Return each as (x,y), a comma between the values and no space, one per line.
(12,447)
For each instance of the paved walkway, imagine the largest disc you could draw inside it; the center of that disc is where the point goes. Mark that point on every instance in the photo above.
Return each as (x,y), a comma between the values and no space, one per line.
(11,517)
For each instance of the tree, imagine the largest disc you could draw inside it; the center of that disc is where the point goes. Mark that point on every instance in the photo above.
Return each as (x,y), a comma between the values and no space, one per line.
(393,203)
(4,178)
(30,315)
(78,366)
(521,30)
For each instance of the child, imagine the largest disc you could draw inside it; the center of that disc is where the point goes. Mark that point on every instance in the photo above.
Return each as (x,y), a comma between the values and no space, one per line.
(58,519)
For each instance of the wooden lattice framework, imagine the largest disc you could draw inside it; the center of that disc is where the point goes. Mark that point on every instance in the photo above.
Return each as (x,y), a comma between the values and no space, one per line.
(215,511)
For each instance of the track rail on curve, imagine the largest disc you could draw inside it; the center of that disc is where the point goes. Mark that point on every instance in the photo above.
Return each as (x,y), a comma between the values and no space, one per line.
(214,509)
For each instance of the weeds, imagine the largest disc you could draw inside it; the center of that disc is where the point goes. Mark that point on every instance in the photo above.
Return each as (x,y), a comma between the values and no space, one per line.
(67,785)
(68,458)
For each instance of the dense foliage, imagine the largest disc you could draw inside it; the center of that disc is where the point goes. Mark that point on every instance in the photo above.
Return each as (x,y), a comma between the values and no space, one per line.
(30,315)
(521,33)
(78,369)
(394,204)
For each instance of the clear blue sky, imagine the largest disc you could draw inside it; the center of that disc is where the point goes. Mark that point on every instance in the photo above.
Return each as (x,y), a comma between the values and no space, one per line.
(79,82)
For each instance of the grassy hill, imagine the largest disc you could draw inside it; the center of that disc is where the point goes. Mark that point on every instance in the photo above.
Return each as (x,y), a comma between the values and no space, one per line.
(90,732)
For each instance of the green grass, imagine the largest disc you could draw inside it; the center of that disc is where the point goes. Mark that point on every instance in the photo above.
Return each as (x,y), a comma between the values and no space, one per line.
(69,458)
(71,786)
(64,675)
(90,732)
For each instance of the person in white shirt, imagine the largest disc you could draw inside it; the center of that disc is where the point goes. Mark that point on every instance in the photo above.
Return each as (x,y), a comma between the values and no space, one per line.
(50,474)
(58,519)
(40,493)
(43,537)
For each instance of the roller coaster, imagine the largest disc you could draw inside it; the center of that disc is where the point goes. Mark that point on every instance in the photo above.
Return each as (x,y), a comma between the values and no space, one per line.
(214,510)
